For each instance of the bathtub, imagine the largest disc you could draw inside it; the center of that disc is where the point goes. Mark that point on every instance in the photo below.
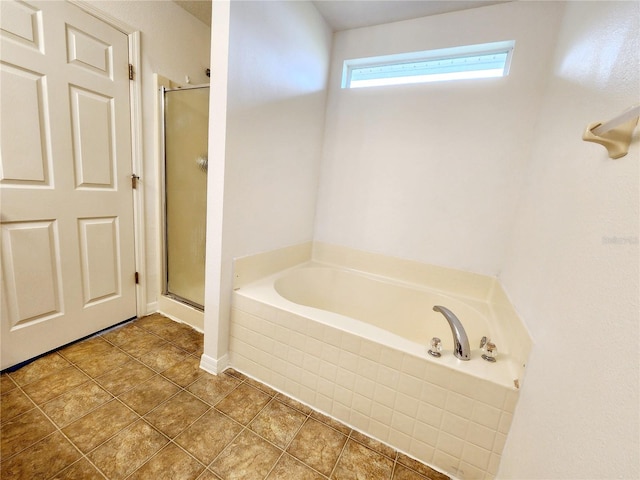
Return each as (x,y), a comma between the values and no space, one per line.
(394,314)
(353,345)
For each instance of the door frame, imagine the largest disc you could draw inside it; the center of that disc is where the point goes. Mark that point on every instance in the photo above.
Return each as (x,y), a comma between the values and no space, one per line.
(135,114)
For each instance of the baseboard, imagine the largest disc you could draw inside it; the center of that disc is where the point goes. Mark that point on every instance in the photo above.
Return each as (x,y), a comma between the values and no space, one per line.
(181,312)
(211,365)
(152,308)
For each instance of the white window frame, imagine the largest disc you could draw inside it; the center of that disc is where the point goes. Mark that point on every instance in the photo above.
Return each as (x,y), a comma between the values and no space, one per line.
(472,53)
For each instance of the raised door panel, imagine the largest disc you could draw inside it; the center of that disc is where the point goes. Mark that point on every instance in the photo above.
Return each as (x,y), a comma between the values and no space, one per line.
(100,259)
(31,272)
(93,141)
(88,52)
(22,23)
(25,157)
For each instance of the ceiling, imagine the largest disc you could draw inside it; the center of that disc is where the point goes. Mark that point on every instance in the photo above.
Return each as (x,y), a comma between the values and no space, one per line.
(348,14)
(201,9)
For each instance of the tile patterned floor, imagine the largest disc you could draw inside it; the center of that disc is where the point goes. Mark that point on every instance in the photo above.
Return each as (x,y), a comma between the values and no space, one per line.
(132,403)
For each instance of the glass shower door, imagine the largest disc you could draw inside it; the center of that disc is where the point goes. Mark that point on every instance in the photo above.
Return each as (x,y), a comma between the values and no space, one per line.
(186,123)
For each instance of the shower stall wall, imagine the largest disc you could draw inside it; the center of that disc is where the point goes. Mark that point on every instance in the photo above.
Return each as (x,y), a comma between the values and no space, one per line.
(185,132)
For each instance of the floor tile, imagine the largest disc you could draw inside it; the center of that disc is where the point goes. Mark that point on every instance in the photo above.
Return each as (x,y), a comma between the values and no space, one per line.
(105,362)
(249,457)
(171,463)
(278,423)
(40,461)
(6,384)
(288,468)
(163,357)
(75,403)
(175,329)
(128,450)
(293,403)
(224,427)
(92,347)
(14,403)
(374,445)
(403,473)
(342,428)
(55,384)
(161,326)
(421,468)
(81,470)
(357,461)
(213,388)
(124,333)
(177,413)
(208,436)
(23,431)
(189,340)
(94,428)
(152,321)
(125,377)
(40,368)
(208,475)
(143,344)
(243,403)
(261,386)
(148,395)
(317,445)
(234,373)
(185,372)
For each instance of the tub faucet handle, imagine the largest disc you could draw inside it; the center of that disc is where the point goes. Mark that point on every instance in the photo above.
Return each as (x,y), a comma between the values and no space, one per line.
(436,347)
(483,342)
(491,352)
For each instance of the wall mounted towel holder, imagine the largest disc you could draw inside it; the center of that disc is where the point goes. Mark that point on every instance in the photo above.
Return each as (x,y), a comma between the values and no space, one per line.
(615,135)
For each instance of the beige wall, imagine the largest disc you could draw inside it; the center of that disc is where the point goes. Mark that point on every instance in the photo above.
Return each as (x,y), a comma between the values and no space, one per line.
(573,266)
(575,287)
(491,178)
(272,88)
(432,172)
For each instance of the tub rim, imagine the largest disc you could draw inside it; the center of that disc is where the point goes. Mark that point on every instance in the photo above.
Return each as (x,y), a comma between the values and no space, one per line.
(503,372)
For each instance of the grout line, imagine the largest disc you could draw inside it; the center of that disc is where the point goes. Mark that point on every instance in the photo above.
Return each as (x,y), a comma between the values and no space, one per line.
(344,447)
(116,433)
(274,395)
(393,469)
(42,412)
(58,429)
(244,427)
(284,449)
(92,379)
(172,440)
(274,463)
(225,448)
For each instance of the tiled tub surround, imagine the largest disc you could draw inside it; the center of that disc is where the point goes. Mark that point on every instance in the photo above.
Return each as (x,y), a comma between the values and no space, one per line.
(450,414)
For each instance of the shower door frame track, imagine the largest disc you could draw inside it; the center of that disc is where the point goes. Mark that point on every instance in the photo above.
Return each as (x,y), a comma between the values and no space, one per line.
(163,196)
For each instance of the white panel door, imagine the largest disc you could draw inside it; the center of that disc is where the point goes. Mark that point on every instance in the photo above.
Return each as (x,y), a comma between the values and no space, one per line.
(66,211)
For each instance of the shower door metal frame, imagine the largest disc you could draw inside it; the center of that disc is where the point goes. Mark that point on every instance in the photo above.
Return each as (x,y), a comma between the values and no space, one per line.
(163,196)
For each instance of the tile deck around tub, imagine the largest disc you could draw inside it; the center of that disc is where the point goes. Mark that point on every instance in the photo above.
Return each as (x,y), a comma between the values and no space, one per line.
(132,403)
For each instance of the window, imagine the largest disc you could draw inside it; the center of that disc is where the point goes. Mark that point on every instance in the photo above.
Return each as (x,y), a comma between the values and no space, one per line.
(471,61)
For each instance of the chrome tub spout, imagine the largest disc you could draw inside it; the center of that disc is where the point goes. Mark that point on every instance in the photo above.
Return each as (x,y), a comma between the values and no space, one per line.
(460,341)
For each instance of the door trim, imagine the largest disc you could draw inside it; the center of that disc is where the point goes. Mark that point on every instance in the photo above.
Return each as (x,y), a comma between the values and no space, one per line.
(135,103)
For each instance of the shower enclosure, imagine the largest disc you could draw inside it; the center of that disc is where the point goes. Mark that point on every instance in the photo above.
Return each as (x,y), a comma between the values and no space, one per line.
(185,132)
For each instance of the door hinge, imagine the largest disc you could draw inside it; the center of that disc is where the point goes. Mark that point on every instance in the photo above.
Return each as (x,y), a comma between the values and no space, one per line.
(134,181)
(130,72)
(137,277)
